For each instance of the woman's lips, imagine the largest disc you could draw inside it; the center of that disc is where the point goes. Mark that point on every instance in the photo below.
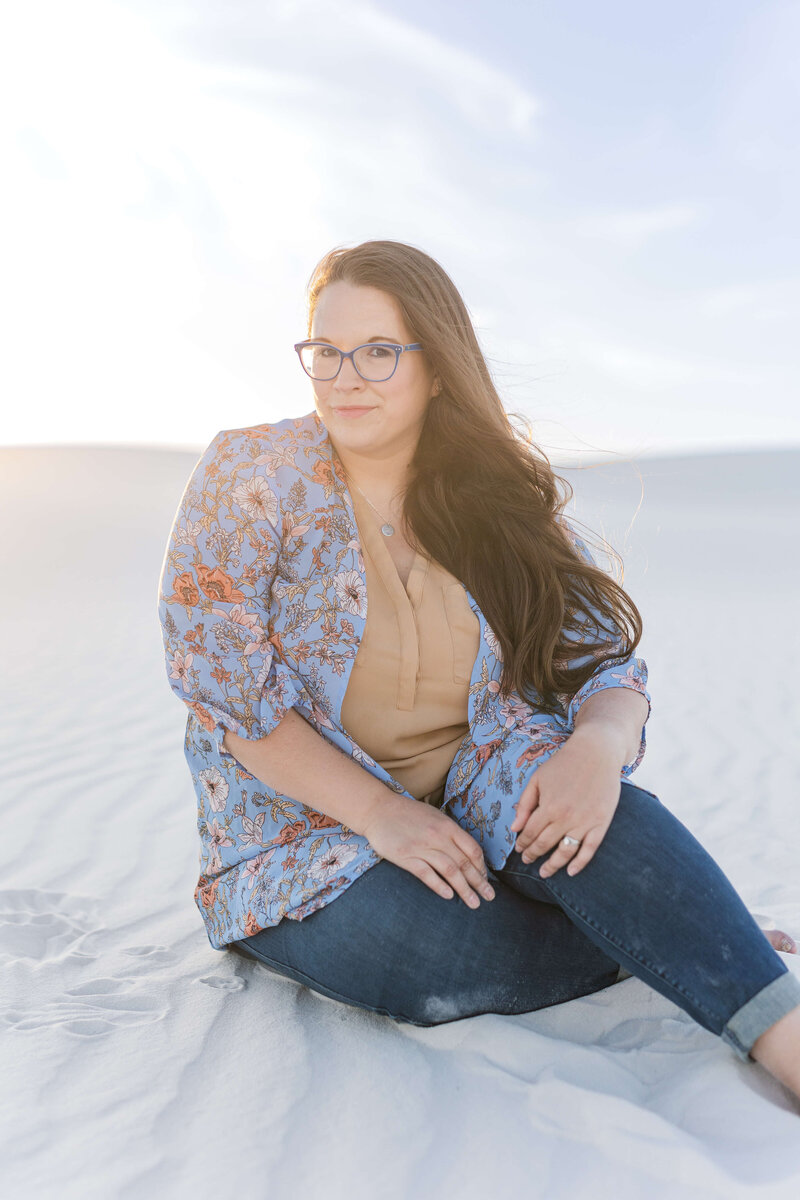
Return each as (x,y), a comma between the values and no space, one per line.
(355,411)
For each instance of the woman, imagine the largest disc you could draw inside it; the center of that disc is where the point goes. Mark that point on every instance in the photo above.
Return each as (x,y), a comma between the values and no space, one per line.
(411,690)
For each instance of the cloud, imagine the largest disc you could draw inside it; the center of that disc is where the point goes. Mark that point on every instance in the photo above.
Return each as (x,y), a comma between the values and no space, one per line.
(651,371)
(759,301)
(349,54)
(489,99)
(633,228)
(180,168)
(759,121)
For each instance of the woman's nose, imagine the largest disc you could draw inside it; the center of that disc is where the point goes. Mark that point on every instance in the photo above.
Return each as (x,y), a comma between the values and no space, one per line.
(348,376)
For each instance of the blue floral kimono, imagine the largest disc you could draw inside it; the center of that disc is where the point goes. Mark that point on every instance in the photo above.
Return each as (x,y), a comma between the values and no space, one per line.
(262,603)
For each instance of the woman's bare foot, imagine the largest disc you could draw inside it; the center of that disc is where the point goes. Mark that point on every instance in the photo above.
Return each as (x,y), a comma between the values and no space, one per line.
(778,1048)
(779,1051)
(780,940)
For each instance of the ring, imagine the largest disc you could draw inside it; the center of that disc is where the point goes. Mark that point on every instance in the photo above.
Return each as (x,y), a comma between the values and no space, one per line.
(570,841)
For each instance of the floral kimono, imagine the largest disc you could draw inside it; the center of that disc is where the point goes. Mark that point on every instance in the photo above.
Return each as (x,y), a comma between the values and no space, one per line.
(262,603)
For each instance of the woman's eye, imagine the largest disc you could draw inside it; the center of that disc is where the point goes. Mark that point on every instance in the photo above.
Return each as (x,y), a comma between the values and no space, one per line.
(326,351)
(380,352)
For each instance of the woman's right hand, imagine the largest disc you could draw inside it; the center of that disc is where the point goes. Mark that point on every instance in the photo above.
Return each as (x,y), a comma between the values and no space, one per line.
(426,842)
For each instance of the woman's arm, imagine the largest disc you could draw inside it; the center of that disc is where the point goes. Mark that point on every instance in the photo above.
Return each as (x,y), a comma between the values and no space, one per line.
(214,596)
(299,762)
(576,791)
(614,717)
(296,760)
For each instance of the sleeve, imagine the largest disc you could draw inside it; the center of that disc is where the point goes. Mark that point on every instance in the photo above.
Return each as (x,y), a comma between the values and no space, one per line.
(222,655)
(626,671)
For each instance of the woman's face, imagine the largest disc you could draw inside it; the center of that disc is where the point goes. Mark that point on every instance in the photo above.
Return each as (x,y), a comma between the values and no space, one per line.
(374,419)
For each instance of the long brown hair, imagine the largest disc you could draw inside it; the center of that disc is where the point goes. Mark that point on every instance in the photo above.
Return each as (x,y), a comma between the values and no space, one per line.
(483,500)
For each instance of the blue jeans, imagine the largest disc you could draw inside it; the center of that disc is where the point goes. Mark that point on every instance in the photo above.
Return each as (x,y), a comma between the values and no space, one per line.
(651,900)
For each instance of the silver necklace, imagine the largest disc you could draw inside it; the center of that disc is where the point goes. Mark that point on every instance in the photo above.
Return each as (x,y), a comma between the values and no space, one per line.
(386,528)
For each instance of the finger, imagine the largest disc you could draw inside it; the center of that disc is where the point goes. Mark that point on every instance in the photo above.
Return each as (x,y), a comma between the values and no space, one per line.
(558,859)
(477,877)
(525,806)
(470,849)
(426,873)
(543,842)
(587,850)
(467,854)
(533,828)
(454,876)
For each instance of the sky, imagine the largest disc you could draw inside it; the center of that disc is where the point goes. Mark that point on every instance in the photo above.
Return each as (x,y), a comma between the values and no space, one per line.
(613,187)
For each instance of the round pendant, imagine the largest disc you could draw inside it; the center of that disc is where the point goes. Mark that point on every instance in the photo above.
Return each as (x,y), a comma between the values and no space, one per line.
(387,530)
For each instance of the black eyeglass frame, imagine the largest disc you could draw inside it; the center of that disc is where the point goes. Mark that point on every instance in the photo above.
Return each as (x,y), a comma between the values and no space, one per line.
(343,354)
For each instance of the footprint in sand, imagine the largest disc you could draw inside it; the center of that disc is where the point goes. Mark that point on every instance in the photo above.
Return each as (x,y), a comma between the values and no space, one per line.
(95,1007)
(149,957)
(226,983)
(43,926)
(48,937)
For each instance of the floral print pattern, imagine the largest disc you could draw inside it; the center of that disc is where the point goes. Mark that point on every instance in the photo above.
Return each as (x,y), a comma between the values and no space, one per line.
(263,602)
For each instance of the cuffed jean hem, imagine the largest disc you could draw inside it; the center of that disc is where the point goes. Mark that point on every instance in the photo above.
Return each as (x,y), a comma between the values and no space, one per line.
(760,1013)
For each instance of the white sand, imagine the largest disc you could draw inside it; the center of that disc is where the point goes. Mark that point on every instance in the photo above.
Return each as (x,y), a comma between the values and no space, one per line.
(139,1062)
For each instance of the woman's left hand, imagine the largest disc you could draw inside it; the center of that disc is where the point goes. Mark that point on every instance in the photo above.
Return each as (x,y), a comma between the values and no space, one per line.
(575,792)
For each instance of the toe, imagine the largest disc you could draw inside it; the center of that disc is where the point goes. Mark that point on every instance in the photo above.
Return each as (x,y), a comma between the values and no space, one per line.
(781,941)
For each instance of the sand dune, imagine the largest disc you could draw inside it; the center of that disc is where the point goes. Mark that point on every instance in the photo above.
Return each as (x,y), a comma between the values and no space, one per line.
(138,1061)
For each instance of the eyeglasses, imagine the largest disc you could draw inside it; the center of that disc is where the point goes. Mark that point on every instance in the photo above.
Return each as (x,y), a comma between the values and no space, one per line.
(374,361)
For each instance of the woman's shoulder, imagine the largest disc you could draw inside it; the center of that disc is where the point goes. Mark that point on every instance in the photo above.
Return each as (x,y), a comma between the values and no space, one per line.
(253,441)
(262,468)
(275,450)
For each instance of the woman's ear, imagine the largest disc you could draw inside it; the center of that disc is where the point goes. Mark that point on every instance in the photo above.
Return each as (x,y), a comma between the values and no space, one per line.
(437,387)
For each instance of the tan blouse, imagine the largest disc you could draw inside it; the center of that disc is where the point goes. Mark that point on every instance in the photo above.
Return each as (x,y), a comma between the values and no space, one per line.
(406,701)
